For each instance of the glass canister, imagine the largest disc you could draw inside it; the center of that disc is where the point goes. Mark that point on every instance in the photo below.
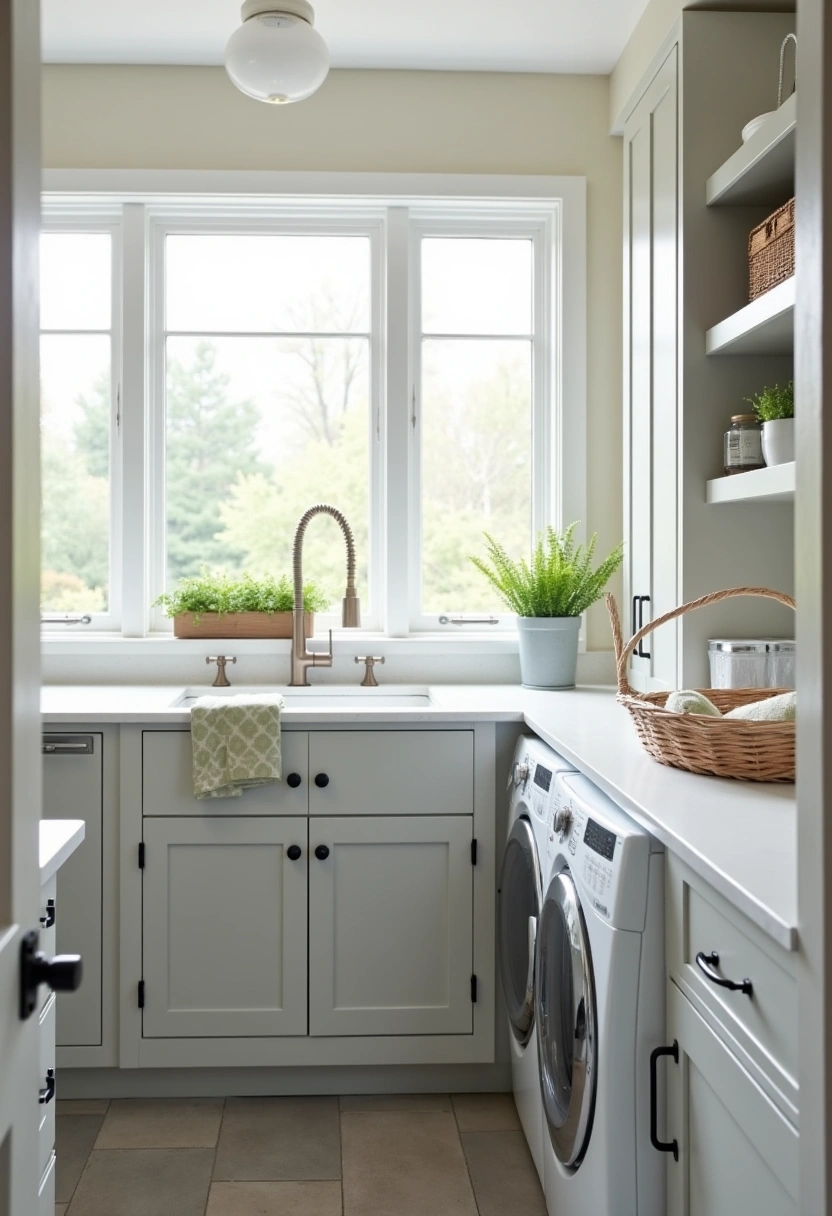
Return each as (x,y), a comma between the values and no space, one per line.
(752,662)
(744,445)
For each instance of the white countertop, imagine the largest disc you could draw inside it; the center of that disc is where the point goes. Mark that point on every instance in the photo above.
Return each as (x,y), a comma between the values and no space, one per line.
(741,837)
(59,838)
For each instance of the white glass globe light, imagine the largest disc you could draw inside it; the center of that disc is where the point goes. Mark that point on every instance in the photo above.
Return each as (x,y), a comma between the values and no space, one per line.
(276,55)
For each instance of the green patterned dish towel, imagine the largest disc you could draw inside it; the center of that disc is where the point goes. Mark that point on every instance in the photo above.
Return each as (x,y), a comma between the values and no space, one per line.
(236,743)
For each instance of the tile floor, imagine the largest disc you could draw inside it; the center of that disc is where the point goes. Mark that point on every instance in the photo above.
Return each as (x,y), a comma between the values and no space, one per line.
(396,1155)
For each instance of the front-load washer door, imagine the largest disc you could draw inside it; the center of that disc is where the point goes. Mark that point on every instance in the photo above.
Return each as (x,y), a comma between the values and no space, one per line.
(518,910)
(565,1011)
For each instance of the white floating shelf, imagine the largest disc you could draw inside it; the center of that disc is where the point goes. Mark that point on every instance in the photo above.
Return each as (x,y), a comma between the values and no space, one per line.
(775,484)
(763,327)
(762,170)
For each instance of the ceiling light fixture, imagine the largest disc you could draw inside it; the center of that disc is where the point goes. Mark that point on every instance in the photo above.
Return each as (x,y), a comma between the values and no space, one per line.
(277,55)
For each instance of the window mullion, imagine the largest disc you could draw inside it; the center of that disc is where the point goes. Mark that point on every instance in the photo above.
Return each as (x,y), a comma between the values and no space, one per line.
(135,610)
(397,498)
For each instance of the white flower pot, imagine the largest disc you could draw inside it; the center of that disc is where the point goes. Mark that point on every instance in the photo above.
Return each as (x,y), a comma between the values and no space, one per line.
(778,441)
(548,650)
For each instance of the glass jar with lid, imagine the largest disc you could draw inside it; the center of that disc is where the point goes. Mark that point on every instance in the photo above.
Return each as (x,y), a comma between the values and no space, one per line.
(744,445)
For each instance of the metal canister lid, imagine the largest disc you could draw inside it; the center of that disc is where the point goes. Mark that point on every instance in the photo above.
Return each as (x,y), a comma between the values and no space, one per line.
(751,645)
(745,419)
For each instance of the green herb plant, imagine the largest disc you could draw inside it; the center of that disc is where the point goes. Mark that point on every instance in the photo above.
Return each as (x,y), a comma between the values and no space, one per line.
(775,403)
(559,580)
(213,591)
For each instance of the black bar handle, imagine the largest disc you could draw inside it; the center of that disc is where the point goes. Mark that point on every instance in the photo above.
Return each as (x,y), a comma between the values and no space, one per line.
(706,963)
(48,1093)
(661,1146)
(51,914)
(642,600)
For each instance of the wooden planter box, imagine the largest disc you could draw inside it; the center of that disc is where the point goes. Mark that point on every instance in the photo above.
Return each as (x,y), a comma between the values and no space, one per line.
(239,625)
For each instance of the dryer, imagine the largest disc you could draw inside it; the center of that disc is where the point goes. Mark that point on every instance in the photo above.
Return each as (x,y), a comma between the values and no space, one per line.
(599,1006)
(519,895)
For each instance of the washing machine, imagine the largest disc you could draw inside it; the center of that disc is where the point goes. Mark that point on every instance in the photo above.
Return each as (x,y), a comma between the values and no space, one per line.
(599,1006)
(519,895)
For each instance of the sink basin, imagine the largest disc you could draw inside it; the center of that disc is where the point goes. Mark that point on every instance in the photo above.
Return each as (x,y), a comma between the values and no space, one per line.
(331,698)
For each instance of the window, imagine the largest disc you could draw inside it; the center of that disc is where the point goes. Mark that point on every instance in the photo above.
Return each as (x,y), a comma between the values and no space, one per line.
(403,361)
(77,362)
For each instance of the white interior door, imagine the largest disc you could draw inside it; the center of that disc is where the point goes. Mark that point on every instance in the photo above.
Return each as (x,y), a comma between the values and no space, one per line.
(390,925)
(19,592)
(224,927)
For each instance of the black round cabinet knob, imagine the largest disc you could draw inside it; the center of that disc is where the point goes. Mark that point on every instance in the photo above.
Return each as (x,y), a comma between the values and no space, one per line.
(321,780)
(293,780)
(322,852)
(293,852)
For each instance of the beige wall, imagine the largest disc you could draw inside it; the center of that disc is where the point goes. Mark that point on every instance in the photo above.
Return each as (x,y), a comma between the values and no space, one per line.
(428,122)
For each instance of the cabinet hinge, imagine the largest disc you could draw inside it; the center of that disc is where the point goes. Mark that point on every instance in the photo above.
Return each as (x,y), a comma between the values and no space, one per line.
(141,994)
(474,989)
(141,855)
(474,851)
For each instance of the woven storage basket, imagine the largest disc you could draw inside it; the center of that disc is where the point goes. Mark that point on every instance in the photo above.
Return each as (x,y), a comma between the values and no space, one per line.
(771,251)
(717,747)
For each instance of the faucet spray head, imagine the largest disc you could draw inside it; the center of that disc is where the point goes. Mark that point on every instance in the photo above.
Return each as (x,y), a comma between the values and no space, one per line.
(351,611)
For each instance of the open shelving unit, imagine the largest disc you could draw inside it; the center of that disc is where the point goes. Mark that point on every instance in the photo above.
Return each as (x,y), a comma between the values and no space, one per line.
(763,327)
(762,170)
(774,485)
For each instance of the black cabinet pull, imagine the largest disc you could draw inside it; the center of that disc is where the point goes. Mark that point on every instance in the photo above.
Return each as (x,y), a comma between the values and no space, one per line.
(706,963)
(293,852)
(322,852)
(47,1094)
(48,920)
(642,600)
(293,780)
(661,1146)
(321,780)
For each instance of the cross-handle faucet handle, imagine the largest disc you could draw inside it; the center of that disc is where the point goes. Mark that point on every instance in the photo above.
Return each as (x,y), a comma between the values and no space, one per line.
(222,680)
(369,661)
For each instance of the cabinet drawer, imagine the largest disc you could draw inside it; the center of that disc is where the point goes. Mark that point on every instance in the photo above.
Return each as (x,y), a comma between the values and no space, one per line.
(391,773)
(46,1110)
(167,780)
(762,1025)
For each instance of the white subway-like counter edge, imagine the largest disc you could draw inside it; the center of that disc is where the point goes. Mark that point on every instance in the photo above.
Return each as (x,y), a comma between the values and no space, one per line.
(741,837)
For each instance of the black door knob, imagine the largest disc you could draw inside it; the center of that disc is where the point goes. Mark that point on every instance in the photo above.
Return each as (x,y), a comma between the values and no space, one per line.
(63,973)
(293,780)
(322,852)
(293,852)
(321,780)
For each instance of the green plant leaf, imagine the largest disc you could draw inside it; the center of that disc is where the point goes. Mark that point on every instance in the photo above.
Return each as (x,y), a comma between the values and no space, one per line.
(216,592)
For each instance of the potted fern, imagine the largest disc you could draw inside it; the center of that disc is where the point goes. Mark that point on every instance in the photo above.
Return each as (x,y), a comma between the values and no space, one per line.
(215,605)
(774,407)
(549,594)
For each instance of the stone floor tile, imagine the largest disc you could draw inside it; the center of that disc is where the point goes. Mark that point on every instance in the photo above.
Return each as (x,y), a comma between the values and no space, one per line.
(82,1106)
(486,1112)
(74,1137)
(144,1182)
(274,1199)
(60,1209)
(404,1163)
(279,1140)
(161,1123)
(503,1175)
(396,1102)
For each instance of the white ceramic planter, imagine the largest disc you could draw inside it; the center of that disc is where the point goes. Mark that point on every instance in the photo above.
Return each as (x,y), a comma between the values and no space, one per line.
(548,650)
(778,441)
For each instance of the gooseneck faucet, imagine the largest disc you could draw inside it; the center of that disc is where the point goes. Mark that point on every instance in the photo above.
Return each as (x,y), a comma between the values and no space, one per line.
(303,659)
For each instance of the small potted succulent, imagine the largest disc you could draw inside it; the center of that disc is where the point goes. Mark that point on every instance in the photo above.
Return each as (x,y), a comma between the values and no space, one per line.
(549,594)
(774,407)
(216,605)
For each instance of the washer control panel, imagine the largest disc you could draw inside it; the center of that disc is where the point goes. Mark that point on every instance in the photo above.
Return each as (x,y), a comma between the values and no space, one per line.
(607,853)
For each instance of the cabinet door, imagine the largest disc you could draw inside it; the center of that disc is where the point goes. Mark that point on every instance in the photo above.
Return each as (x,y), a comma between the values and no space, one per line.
(737,1153)
(224,927)
(651,279)
(391,772)
(72,789)
(390,925)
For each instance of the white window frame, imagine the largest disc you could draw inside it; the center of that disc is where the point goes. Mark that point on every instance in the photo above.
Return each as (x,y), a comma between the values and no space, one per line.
(81,218)
(391,204)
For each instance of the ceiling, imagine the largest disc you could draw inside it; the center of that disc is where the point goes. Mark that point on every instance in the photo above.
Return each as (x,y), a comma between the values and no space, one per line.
(463,35)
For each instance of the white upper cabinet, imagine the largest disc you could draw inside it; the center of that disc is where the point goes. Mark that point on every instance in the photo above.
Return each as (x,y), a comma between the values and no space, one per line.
(390,926)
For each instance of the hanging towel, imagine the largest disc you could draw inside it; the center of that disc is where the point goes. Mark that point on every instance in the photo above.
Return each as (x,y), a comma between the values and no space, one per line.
(236,743)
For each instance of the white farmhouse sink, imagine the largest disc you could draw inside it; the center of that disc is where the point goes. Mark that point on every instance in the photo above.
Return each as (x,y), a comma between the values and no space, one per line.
(332,697)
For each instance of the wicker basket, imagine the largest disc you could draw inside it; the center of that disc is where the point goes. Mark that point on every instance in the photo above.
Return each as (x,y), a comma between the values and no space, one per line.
(717,747)
(771,251)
